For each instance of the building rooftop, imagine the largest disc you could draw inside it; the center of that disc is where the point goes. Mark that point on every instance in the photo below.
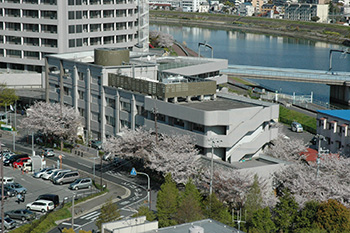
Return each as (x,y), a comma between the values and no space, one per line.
(208,225)
(341,114)
(218,104)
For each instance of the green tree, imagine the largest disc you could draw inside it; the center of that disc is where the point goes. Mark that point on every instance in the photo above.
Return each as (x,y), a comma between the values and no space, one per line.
(285,212)
(261,221)
(254,199)
(306,218)
(189,209)
(7,96)
(333,217)
(167,202)
(109,213)
(213,208)
(145,211)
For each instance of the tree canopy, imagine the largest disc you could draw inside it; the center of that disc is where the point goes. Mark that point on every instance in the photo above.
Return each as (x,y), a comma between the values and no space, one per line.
(7,96)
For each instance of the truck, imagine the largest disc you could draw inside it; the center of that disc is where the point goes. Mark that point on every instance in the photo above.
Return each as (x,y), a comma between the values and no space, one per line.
(34,164)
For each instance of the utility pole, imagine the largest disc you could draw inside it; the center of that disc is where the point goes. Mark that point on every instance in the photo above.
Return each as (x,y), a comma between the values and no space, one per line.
(2,190)
(73,212)
(214,143)
(319,152)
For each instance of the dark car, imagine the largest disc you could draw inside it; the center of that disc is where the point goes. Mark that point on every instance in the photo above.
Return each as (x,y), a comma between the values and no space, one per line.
(9,192)
(96,144)
(13,158)
(21,214)
(50,197)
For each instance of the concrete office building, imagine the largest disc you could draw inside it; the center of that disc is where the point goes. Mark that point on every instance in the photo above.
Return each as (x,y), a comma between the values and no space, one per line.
(31,29)
(113,89)
(334,126)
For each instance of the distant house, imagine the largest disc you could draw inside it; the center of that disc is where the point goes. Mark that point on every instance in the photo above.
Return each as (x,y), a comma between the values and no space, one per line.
(334,126)
(203,7)
(245,9)
(305,12)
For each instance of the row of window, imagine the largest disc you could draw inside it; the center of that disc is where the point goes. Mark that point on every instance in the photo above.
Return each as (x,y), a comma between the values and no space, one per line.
(93,14)
(72,29)
(45,2)
(9,12)
(28,41)
(99,40)
(22,54)
(28,27)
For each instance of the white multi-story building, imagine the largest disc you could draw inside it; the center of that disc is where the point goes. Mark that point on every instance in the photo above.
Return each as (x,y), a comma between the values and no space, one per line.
(190,5)
(31,29)
(333,125)
(113,89)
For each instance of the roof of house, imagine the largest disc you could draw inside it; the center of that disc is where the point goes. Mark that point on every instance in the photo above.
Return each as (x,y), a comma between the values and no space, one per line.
(341,114)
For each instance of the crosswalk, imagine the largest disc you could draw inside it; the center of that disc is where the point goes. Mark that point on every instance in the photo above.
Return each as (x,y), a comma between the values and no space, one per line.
(91,216)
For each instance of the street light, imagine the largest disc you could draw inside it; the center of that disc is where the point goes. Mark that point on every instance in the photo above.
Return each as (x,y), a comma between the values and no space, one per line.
(94,166)
(134,173)
(214,143)
(205,44)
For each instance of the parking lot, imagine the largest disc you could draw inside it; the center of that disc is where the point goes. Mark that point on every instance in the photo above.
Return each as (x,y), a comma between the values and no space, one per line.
(35,187)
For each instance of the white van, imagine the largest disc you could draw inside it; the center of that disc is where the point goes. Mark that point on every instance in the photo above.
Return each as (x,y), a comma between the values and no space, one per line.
(7,180)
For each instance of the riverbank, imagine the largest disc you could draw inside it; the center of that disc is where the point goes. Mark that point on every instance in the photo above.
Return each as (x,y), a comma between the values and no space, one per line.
(330,33)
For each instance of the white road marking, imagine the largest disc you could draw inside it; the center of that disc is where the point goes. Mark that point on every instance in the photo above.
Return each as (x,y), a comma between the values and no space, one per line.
(70,224)
(92,217)
(82,164)
(85,216)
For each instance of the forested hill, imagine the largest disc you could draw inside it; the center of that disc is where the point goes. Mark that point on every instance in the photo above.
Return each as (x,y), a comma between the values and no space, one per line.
(333,33)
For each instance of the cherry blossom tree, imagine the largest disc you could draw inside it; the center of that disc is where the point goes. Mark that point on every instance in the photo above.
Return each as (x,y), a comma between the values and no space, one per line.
(161,39)
(53,119)
(331,183)
(286,148)
(174,154)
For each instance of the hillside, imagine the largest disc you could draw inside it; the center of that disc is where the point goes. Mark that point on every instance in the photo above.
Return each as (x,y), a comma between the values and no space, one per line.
(332,33)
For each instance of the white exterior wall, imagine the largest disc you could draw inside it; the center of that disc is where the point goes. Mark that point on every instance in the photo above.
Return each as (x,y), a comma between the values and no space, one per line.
(51,33)
(322,13)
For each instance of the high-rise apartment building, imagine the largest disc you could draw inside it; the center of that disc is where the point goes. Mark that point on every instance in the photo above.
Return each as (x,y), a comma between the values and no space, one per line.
(31,29)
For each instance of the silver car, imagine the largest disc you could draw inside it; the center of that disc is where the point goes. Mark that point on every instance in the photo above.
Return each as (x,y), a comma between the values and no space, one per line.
(8,223)
(81,183)
(41,172)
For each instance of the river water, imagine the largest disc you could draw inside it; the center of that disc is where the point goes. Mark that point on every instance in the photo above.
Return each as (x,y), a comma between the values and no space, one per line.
(241,48)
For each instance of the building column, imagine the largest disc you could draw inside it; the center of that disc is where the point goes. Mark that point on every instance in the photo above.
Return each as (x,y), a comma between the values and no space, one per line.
(133,112)
(87,100)
(75,95)
(61,83)
(103,105)
(47,84)
(116,112)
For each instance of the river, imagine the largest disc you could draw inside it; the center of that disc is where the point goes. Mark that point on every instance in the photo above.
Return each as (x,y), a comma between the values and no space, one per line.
(241,48)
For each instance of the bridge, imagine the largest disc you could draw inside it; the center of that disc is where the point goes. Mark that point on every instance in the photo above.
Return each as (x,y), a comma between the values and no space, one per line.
(339,82)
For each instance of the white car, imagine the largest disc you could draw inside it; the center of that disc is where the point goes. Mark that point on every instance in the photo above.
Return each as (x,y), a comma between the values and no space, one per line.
(41,172)
(41,205)
(48,174)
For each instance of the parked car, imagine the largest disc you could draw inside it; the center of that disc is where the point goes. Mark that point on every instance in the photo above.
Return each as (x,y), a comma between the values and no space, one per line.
(48,152)
(58,173)
(50,197)
(21,214)
(8,179)
(81,183)
(296,127)
(68,177)
(14,158)
(17,187)
(19,162)
(8,223)
(41,172)
(41,205)
(48,174)
(8,192)
(96,144)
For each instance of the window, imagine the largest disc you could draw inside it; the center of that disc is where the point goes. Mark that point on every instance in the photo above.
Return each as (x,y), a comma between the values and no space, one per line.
(198,127)
(95,116)
(110,120)
(125,106)
(81,75)
(66,90)
(81,94)
(71,43)
(71,15)
(70,2)
(71,29)
(110,102)
(81,112)
(78,15)
(179,122)
(79,42)
(79,28)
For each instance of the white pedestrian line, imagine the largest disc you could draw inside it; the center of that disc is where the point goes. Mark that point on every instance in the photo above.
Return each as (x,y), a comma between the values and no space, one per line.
(92,216)
(70,224)
(82,164)
(92,213)
(93,219)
